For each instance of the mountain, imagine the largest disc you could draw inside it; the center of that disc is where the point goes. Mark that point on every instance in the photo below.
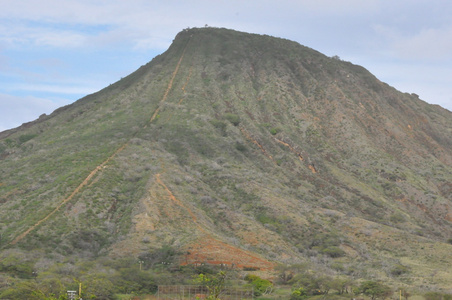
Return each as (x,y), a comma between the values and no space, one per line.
(241,150)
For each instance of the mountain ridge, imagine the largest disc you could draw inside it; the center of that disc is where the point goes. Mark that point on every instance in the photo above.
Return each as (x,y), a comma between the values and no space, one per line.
(244,140)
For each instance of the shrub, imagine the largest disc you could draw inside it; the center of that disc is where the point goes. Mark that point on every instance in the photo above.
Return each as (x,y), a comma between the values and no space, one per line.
(163,256)
(240,147)
(220,125)
(397,218)
(312,284)
(399,270)
(132,280)
(275,130)
(298,294)
(373,290)
(98,287)
(233,118)
(333,252)
(327,244)
(14,265)
(260,285)
(214,283)
(433,296)
(26,137)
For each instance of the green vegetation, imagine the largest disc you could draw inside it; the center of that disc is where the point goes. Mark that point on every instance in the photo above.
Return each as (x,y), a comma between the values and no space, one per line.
(374,290)
(215,284)
(275,130)
(122,278)
(256,143)
(298,294)
(233,118)
(260,286)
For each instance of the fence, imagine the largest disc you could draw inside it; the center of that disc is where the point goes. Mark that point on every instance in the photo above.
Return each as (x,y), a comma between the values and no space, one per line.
(172,292)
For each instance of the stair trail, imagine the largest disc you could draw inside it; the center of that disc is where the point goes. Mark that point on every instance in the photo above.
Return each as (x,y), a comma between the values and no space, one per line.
(170,85)
(186,82)
(171,113)
(102,165)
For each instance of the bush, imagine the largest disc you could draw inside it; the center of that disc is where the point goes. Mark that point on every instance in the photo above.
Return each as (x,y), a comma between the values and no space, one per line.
(163,256)
(233,118)
(98,287)
(327,244)
(333,252)
(220,125)
(15,266)
(373,290)
(397,218)
(26,137)
(132,280)
(437,296)
(260,285)
(298,294)
(275,130)
(399,270)
(312,284)
(240,147)
(433,296)
(214,283)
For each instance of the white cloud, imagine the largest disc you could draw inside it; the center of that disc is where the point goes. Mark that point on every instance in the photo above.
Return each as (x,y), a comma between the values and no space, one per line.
(58,39)
(431,44)
(343,7)
(55,89)
(17,110)
(19,34)
(65,23)
(415,31)
(54,11)
(432,82)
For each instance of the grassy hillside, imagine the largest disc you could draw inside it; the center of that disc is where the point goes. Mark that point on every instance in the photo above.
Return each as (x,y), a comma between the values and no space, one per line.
(240,150)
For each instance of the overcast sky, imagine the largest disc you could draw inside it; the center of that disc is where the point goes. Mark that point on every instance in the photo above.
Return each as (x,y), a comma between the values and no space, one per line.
(53,52)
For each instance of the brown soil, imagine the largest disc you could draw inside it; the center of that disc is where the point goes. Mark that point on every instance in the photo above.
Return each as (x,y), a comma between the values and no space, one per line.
(209,250)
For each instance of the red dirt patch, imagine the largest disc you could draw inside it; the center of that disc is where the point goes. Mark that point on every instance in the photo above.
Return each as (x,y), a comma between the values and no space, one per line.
(211,251)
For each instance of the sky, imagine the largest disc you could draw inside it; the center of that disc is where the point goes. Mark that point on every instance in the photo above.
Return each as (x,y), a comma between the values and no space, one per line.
(53,52)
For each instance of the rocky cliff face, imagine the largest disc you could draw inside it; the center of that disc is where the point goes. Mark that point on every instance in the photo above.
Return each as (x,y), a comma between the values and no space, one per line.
(243,150)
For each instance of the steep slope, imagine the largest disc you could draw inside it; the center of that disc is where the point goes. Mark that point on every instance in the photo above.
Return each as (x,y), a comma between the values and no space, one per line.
(244,150)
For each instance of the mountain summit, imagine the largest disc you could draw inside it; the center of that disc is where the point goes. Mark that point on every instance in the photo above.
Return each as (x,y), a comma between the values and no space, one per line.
(241,150)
